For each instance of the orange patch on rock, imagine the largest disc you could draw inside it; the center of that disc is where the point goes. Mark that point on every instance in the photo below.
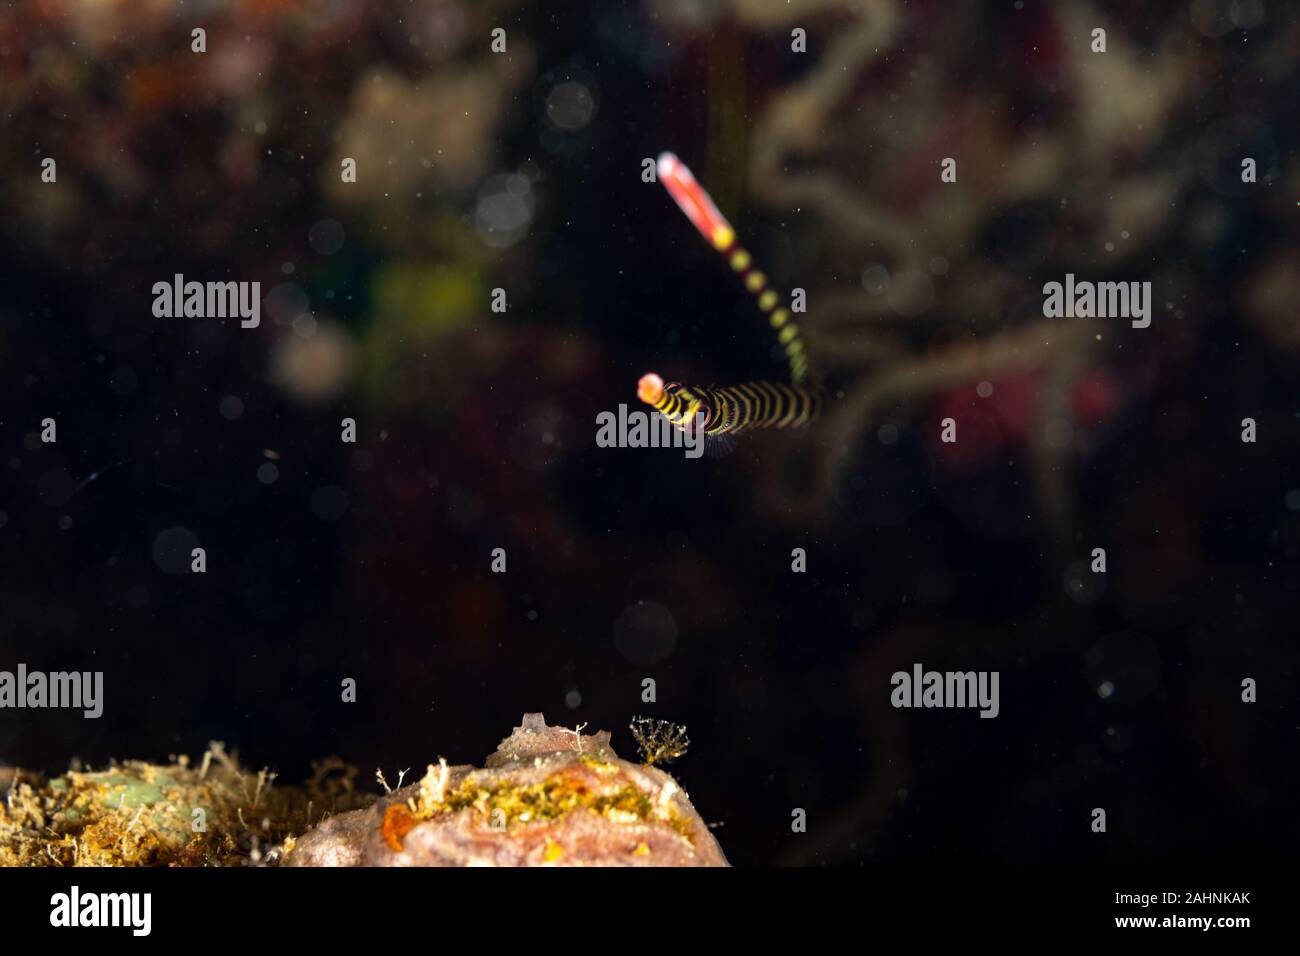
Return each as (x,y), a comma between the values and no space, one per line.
(398,822)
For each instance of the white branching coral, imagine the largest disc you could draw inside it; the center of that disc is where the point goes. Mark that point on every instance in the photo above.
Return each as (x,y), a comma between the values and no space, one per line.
(433,787)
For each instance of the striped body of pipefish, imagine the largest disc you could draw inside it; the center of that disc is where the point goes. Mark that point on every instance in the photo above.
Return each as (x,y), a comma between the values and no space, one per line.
(725,411)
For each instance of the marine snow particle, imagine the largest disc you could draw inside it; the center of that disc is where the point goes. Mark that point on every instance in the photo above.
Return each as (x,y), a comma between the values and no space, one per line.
(645,632)
(171,549)
(570,106)
(329,503)
(326,236)
(123,380)
(231,407)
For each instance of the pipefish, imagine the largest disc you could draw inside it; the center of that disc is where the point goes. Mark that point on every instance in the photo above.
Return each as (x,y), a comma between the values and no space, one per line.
(726,411)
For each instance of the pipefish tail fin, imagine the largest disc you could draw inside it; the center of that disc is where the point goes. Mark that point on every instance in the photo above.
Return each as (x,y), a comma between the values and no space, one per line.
(695,202)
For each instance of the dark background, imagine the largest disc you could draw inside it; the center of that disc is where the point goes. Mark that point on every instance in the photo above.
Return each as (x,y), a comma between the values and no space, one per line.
(476,430)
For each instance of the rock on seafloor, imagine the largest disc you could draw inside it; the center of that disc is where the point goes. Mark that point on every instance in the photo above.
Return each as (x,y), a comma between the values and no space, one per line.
(548,796)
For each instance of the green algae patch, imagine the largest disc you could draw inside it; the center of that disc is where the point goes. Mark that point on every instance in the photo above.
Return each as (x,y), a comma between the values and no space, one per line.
(574,787)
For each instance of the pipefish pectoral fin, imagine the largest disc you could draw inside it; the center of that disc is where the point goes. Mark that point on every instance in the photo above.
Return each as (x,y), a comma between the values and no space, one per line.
(719,446)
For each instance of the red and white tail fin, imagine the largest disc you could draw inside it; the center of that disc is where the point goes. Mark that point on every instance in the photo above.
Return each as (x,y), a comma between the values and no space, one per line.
(694,201)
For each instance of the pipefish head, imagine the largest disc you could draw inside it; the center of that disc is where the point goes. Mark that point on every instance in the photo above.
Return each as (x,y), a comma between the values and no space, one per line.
(673,400)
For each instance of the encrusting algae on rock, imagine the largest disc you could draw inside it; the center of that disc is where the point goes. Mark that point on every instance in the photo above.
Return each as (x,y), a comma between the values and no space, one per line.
(141,814)
(547,796)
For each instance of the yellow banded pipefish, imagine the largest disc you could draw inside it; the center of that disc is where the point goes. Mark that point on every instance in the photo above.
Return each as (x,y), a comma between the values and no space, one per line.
(731,410)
